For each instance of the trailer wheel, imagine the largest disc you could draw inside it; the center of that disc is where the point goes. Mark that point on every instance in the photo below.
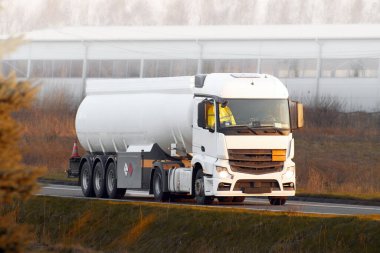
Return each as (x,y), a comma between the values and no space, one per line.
(158,192)
(199,190)
(238,199)
(111,183)
(86,180)
(277,201)
(99,181)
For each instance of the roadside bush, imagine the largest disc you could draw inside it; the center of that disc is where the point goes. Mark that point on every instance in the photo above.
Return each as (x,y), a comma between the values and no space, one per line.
(16,181)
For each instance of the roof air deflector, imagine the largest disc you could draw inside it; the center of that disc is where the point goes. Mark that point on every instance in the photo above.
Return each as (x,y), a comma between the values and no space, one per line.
(200,80)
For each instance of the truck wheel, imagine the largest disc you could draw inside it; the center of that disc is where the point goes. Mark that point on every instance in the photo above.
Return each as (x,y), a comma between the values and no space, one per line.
(158,192)
(86,180)
(225,199)
(238,199)
(111,183)
(199,190)
(276,201)
(99,181)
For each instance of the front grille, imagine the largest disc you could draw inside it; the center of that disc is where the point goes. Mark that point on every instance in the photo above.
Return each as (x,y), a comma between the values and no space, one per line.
(256,186)
(253,161)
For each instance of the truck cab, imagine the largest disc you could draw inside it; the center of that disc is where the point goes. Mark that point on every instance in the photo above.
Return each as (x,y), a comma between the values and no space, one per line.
(247,151)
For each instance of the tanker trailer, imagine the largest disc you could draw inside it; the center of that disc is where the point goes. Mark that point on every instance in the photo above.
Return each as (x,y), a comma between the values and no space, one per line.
(221,135)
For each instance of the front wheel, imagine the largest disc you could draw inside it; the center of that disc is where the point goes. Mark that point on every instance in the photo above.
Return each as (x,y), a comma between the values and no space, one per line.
(277,201)
(199,189)
(111,183)
(238,199)
(225,199)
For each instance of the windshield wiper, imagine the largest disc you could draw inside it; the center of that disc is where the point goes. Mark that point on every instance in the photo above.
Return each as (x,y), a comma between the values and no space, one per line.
(275,129)
(242,126)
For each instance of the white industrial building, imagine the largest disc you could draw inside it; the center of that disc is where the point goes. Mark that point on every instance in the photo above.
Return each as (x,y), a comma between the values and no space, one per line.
(339,61)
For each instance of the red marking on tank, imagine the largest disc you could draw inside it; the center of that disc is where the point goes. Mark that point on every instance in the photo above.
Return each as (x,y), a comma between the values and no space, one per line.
(130,169)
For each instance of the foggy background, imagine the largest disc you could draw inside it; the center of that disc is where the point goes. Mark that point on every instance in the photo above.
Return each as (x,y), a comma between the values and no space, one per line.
(26,15)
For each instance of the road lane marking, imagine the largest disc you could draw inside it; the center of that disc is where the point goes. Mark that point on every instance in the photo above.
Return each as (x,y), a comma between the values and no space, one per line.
(59,188)
(335,206)
(128,193)
(326,205)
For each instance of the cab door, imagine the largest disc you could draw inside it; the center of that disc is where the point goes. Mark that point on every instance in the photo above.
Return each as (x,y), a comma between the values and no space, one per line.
(204,132)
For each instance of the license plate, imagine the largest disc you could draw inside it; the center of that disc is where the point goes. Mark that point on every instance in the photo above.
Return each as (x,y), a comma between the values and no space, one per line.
(258,190)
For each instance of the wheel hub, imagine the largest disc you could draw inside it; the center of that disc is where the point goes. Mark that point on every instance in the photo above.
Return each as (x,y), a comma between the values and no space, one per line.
(97,180)
(85,179)
(111,180)
(157,186)
(199,187)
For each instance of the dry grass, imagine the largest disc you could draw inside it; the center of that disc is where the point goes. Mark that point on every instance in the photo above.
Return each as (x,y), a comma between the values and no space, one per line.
(142,227)
(335,152)
(49,132)
(338,152)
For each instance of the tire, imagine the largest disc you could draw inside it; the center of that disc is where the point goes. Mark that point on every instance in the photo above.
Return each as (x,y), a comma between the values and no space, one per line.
(200,191)
(86,180)
(158,192)
(238,199)
(277,201)
(225,199)
(111,183)
(99,181)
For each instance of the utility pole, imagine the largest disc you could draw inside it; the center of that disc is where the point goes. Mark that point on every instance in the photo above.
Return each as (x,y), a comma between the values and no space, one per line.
(84,69)
(319,71)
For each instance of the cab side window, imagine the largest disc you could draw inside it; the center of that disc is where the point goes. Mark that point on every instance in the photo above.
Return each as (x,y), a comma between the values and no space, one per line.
(210,116)
(206,114)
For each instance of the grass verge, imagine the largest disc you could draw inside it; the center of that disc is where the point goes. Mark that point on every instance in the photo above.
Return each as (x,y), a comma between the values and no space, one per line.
(375,197)
(142,227)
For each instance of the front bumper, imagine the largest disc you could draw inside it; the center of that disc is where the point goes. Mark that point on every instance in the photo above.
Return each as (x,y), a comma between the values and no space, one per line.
(272,184)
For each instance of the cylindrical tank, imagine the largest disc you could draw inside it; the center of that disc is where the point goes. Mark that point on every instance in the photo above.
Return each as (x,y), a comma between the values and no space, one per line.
(117,114)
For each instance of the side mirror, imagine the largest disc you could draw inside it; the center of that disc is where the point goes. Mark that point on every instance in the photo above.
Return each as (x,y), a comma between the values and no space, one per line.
(202,114)
(296,115)
(300,115)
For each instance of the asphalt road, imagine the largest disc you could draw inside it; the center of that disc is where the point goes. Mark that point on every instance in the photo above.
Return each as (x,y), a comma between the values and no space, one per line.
(249,203)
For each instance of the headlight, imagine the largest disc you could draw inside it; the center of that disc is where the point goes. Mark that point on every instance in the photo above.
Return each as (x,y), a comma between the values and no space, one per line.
(289,173)
(223,172)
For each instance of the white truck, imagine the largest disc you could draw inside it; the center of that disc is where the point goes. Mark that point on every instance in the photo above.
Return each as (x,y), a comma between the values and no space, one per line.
(222,135)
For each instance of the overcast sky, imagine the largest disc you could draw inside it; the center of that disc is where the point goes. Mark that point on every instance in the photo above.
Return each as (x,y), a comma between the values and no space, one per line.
(25,15)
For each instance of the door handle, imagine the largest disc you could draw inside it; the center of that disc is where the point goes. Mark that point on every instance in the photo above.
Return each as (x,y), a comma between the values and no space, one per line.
(203,149)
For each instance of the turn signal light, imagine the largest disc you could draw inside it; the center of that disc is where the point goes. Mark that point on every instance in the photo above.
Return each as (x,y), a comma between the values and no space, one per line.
(278,155)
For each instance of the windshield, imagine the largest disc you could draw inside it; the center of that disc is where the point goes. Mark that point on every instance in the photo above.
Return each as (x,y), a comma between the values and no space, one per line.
(258,116)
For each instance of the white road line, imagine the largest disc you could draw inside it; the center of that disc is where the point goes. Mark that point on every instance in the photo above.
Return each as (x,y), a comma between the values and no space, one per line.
(128,193)
(292,203)
(335,206)
(59,188)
